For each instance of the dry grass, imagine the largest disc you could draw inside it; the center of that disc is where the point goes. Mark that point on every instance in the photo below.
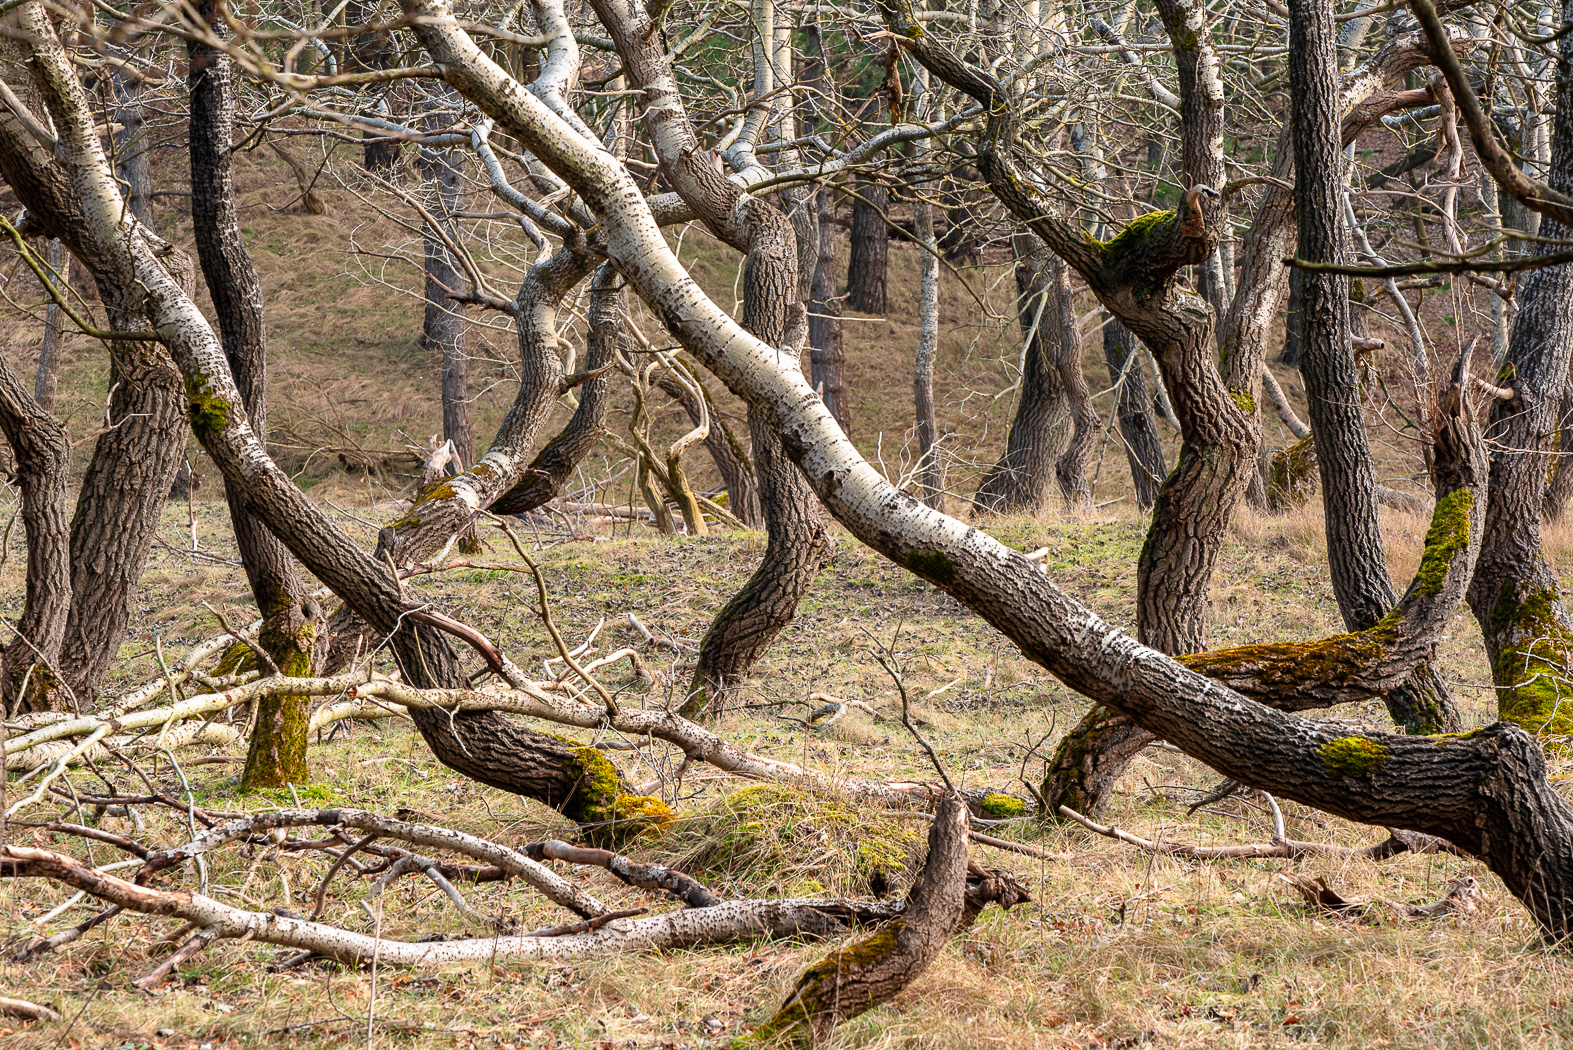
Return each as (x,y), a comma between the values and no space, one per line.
(1119,948)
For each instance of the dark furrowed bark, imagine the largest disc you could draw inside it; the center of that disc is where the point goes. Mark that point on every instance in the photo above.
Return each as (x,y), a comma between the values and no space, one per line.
(1138,426)
(1486,792)
(121,498)
(1357,561)
(870,237)
(577,780)
(798,543)
(277,754)
(1020,480)
(443,326)
(42,455)
(1515,595)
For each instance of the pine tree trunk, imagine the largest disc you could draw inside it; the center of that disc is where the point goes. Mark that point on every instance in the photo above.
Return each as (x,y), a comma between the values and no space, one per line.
(277,754)
(870,249)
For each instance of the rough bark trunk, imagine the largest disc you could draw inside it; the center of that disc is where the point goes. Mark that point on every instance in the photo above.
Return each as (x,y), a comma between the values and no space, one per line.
(1515,596)
(1138,427)
(277,753)
(42,456)
(121,499)
(443,326)
(1290,354)
(870,258)
(1487,793)
(1357,560)
(1020,480)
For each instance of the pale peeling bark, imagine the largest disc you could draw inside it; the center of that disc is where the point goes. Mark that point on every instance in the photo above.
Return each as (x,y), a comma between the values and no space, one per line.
(1486,793)
(688,928)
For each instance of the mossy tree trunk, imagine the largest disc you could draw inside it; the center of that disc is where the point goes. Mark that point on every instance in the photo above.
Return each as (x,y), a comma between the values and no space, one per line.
(277,754)
(874,970)
(1357,560)
(1515,596)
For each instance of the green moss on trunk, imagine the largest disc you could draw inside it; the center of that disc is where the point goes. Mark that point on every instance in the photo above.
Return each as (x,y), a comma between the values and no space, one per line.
(1530,667)
(1352,756)
(277,755)
(1447,536)
(610,815)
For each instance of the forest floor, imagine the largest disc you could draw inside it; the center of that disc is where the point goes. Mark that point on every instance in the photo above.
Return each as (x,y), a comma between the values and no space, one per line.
(1118,948)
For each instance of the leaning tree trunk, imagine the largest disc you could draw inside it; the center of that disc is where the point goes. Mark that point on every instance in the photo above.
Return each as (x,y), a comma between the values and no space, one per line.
(1020,480)
(42,456)
(290,619)
(1357,560)
(443,326)
(73,191)
(870,249)
(1138,426)
(1516,596)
